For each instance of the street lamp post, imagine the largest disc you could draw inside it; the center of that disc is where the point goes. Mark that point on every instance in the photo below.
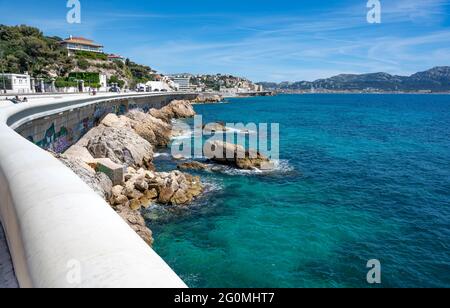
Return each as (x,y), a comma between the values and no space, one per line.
(3,77)
(3,72)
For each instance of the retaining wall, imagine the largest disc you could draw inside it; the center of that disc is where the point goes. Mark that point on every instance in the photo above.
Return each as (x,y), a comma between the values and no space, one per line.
(60,233)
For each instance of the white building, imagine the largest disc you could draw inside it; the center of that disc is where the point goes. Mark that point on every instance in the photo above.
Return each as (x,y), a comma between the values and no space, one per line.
(184,83)
(159,86)
(103,82)
(15,83)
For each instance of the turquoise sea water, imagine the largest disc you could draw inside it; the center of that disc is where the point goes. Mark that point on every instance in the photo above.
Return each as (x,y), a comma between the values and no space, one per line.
(364,177)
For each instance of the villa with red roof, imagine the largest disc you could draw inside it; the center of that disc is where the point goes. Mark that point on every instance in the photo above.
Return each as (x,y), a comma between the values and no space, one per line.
(73,44)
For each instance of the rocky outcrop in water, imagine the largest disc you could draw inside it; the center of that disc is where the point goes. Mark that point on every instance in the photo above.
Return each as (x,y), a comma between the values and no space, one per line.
(236,156)
(214,127)
(207,99)
(193,165)
(178,109)
(142,187)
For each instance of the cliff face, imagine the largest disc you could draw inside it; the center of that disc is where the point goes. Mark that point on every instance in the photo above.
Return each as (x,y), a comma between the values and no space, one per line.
(435,79)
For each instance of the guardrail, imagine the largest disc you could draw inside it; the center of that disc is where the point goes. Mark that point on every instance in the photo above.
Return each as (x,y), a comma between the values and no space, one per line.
(60,233)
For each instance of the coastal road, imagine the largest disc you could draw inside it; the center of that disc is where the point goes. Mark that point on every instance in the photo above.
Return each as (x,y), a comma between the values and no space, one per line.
(7,276)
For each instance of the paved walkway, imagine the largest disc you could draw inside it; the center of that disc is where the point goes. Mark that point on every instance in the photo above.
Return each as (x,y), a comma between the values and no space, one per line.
(7,277)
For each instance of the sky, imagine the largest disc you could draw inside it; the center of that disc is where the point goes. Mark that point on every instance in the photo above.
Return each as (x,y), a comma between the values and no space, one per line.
(263,40)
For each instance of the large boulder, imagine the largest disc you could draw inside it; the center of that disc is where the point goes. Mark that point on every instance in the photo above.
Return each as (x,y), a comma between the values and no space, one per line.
(177,109)
(152,129)
(80,152)
(121,145)
(236,156)
(182,109)
(112,120)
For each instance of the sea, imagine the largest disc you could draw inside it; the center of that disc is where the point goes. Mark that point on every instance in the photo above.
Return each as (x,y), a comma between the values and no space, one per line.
(359,178)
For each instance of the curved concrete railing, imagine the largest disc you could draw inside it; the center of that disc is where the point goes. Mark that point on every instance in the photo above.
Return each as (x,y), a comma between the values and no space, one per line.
(60,233)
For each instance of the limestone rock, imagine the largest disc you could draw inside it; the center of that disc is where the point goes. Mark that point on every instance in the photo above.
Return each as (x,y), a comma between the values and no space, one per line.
(193,165)
(236,156)
(99,182)
(174,188)
(121,145)
(80,152)
(152,129)
(177,109)
(205,99)
(112,120)
(136,222)
(182,109)
(214,127)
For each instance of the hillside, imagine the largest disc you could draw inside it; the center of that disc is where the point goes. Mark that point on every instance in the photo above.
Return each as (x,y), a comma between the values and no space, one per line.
(27,49)
(436,80)
(220,82)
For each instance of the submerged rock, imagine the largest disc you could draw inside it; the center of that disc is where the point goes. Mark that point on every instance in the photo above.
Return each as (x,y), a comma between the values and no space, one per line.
(214,127)
(236,156)
(193,165)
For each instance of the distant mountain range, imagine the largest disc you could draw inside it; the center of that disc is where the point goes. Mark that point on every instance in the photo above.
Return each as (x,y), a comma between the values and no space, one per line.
(434,80)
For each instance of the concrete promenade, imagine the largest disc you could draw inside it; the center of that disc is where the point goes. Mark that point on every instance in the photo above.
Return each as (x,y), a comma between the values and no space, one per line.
(61,233)
(7,276)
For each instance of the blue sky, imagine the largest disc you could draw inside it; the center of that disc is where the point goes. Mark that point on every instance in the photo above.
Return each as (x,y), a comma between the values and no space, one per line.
(264,40)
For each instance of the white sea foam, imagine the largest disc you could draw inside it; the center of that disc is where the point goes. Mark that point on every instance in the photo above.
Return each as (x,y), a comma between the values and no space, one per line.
(211,186)
(281,167)
(157,155)
(184,135)
(240,131)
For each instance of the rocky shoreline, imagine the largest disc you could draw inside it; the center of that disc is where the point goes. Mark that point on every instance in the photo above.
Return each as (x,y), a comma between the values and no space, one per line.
(124,145)
(116,160)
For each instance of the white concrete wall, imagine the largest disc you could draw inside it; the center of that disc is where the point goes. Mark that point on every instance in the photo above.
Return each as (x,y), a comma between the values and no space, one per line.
(54,222)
